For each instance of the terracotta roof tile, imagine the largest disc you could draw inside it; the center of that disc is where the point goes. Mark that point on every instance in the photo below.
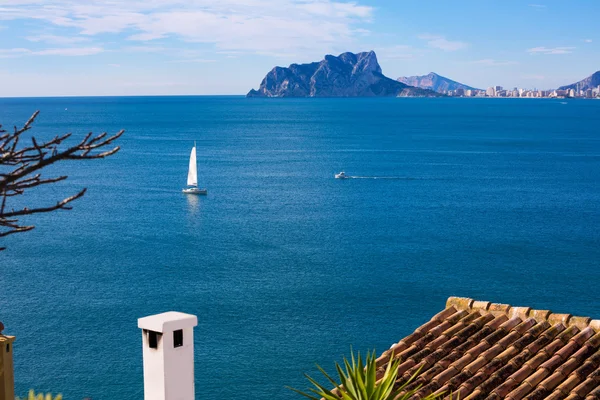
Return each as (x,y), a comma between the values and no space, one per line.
(481,350)
(521,312)
(520,391)
(462,303)
(481,305)
(587,388)
(556,318)
(499,377)
(575,378)
(416,335)
(594,394)
(540,314)
(580,322)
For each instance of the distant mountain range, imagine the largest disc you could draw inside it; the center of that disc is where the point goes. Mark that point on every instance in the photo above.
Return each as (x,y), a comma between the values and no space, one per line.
(435,82)
(359,75)
(347,75)
(591,82)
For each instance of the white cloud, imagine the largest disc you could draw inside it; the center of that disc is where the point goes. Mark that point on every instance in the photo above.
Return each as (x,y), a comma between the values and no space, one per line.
(334,9)
(489,62)
(145,49)
(256,26)
(552,50)
(537,5)
(70,51)
(60,40)
(13,53)
(588,40)
(114,65)
(440,42)
(67,51)
(144,37)
(194,60)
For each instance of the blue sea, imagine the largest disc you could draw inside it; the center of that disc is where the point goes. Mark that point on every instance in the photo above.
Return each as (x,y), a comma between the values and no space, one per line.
(285,266)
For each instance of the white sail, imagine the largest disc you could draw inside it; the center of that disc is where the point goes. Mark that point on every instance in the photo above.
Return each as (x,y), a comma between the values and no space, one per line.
(193,171)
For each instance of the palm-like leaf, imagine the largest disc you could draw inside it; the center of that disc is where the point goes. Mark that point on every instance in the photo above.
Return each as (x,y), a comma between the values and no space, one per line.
(40,396)
(358,381)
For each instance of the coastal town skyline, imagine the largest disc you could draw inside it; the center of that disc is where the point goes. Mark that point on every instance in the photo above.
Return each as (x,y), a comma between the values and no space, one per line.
(588,88)
(60,47)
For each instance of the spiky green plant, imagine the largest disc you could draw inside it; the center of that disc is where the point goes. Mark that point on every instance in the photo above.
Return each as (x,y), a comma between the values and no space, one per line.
(359,381)
(40,396)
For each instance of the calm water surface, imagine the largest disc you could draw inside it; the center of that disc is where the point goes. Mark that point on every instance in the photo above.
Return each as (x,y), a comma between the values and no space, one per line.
(285,266)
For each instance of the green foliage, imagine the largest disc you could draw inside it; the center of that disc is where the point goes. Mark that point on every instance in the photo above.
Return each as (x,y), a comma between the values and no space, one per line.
(40,396)
(359,381)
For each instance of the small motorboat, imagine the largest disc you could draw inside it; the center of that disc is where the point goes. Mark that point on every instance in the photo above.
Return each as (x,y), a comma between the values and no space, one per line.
(341,175)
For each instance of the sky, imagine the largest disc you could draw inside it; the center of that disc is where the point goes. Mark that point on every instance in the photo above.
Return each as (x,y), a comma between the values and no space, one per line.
(206,47)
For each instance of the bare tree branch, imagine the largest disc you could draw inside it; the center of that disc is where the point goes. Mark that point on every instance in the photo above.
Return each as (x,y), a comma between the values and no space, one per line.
(21,169)
(60,205)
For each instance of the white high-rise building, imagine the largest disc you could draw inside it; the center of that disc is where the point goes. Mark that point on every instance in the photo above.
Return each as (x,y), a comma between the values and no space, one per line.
(490,92)
(168,350)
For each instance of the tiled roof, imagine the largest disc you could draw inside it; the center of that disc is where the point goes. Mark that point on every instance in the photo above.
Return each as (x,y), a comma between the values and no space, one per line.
(481,350)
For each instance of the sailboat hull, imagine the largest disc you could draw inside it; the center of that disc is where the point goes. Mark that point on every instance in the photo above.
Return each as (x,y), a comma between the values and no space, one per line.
(194,191)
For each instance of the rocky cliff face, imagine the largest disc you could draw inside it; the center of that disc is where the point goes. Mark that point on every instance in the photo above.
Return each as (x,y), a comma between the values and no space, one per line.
(435,82)
(591,82)
(348,75)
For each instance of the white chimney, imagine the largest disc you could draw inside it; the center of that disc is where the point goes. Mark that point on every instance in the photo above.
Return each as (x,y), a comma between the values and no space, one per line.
(168,350)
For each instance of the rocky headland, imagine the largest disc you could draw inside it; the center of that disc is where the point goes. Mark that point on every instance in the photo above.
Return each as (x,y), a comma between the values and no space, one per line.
(347,75)
(435,82)
(591,82)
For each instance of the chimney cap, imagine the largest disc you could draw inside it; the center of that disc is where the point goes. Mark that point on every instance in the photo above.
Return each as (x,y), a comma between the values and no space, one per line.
(168,321)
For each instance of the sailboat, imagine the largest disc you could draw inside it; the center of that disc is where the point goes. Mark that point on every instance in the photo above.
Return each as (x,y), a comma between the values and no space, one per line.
(192,179)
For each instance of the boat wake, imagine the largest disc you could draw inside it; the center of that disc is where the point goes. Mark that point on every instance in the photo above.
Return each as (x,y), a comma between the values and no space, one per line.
(342,175)
(403,178)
